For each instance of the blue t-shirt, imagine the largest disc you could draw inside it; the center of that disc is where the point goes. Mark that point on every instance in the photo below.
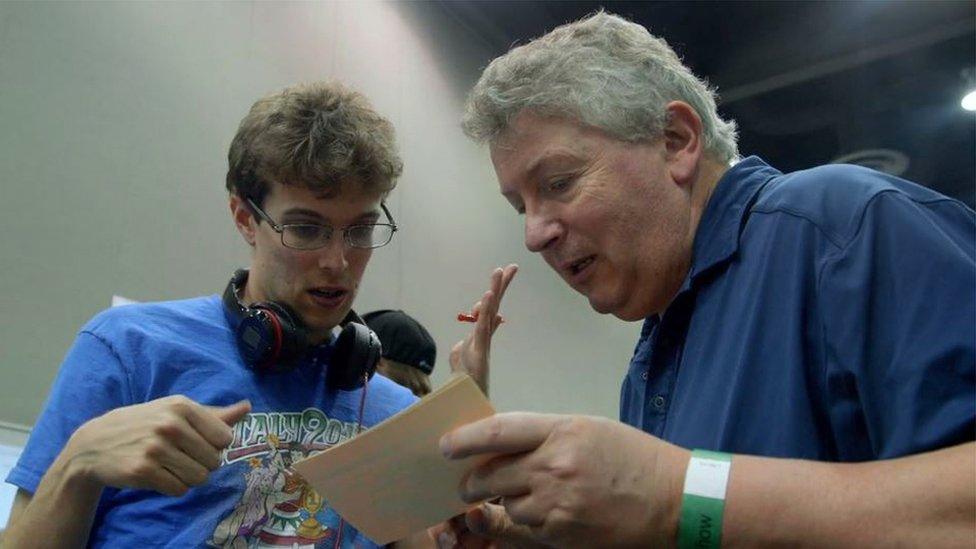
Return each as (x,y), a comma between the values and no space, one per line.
(138,353)
(828,314)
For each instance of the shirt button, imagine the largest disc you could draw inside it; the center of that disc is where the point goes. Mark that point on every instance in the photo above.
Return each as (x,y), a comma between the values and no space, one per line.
(658,402)
(644,376)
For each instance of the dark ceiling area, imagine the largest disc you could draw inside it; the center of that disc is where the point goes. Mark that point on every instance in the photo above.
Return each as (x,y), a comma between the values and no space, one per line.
(875,82)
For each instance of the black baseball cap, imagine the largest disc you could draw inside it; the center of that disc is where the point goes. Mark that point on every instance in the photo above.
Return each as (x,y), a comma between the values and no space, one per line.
(403,338)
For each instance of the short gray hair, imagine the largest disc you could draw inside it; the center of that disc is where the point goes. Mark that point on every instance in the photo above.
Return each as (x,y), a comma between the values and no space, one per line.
(602,71)
(319,135)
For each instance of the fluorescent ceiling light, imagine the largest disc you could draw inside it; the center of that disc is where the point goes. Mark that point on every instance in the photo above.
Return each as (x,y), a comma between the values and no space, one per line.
(969,101)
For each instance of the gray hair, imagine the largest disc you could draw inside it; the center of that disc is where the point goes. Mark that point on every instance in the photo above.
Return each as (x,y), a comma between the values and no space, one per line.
(319,135)
(603,71)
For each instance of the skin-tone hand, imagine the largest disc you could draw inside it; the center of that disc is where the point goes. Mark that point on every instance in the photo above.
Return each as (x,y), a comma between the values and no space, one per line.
(471,355)
(455,534)
(167,445)
(567,481)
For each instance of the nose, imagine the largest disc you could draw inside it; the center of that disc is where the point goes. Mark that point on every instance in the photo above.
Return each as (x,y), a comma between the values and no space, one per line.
(332,256)
(541,231)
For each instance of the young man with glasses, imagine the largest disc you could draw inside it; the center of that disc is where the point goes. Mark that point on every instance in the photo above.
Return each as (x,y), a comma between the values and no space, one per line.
(155,432)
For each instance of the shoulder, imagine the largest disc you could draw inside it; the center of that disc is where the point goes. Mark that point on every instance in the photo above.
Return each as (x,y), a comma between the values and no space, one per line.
(173,319)
(389,394)
(836,197)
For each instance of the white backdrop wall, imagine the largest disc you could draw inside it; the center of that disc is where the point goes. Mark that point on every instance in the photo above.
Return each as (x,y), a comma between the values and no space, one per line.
(115,120)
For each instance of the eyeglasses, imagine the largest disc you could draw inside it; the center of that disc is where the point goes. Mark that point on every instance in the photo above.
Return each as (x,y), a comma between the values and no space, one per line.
(309,236)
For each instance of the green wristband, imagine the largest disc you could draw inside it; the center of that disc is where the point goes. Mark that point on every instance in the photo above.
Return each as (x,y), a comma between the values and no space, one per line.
(703,502)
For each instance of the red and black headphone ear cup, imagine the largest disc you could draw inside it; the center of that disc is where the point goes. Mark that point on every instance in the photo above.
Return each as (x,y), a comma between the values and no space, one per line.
(259,339)
(271,338)
(354,359)
(294,334)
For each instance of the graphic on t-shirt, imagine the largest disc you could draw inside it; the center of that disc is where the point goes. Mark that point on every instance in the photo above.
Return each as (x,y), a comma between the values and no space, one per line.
(278,509)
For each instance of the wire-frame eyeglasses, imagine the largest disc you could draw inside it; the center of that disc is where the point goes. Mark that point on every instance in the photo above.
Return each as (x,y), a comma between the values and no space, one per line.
(311,236)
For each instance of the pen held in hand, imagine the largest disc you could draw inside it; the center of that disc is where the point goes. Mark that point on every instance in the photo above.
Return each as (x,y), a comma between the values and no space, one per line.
(465,317)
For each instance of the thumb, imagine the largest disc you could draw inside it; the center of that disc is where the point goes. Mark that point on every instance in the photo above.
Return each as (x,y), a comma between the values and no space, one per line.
(233,413)
(455,357)
(491,521)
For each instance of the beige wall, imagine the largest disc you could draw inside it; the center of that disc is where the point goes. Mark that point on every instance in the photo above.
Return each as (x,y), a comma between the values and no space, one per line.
(114,124)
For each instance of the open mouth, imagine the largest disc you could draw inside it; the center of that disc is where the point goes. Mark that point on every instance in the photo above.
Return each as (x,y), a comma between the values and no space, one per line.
(328,297)
(328,294)
(577,266)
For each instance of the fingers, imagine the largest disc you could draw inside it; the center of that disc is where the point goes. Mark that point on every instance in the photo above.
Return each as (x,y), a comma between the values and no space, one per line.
(233,413)
(189,441)
(454,534)
(491,300)
(185,468)
(455,358)
(500,280)
(204,430)
(509,433)
(505,277)
(492,521)
(152,464)
(485,311)
(212,421)
(164,482)
(493,297)
(525,510)
(500,476)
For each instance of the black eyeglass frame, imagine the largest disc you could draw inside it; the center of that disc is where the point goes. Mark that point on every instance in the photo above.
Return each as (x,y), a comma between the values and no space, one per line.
(280,228)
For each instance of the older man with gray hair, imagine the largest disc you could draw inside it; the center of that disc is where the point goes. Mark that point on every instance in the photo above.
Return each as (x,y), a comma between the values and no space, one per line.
(806,371)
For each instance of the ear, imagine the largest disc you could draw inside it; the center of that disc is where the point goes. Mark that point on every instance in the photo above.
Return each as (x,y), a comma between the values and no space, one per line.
(243,218)
(683,142)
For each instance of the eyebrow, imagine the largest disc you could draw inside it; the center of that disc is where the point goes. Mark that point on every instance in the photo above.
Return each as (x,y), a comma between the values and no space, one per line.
(548,159)
(302,212)
(369,216)
(540,164)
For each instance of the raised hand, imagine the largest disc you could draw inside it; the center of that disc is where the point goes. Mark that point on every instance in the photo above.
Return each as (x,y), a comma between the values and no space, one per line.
(471,355)
(167,445)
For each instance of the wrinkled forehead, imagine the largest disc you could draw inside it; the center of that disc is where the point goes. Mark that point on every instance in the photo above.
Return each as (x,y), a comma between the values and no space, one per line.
(531,141)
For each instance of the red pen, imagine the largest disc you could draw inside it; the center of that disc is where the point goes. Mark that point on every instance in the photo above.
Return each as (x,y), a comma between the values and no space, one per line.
(465,317)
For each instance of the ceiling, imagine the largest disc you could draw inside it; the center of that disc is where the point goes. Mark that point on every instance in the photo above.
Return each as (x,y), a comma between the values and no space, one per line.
(807,82)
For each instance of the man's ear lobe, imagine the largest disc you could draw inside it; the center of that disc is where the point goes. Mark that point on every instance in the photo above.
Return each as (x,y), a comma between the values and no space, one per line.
(683,141)
(243,218)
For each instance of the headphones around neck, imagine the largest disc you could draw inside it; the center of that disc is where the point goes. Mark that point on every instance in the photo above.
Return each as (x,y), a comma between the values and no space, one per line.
(272,338)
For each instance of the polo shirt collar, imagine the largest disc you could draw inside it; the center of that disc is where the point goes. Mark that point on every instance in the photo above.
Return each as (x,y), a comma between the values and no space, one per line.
(717,237)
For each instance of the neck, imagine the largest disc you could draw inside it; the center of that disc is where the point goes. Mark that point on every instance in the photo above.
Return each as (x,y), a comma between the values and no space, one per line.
(707,178)
(710,173)
(246,294)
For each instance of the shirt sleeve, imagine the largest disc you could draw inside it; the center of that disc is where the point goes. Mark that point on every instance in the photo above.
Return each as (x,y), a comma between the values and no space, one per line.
(91,382)
(898,304)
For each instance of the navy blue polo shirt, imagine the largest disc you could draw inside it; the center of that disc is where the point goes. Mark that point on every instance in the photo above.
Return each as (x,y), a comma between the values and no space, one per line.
(828,314)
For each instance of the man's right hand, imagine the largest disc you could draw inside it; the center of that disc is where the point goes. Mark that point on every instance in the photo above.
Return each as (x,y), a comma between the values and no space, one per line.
(166,445)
